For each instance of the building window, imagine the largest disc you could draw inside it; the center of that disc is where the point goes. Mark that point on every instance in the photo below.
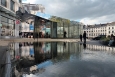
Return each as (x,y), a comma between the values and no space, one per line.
(12,5)
(3,2)
(109,32)
(112,31)
(7,28)
(20,1)
(112,27)
(109,27)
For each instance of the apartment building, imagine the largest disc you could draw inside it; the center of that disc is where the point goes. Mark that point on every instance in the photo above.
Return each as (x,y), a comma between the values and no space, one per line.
(100,29)
(110,28)
(9,24)
(33,8)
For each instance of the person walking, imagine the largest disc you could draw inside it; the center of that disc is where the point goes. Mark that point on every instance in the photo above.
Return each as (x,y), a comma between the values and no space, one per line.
(80,37)
(84,36)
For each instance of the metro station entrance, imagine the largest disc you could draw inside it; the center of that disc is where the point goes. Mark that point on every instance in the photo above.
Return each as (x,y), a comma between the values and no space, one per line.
(44,28)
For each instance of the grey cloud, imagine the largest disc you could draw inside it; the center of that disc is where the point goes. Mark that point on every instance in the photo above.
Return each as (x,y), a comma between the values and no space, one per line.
(79,9)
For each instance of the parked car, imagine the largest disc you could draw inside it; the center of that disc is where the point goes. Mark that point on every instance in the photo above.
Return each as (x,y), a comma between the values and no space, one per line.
(99,37)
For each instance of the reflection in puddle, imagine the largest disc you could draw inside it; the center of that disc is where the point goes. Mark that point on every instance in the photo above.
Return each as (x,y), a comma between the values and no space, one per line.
(34,58)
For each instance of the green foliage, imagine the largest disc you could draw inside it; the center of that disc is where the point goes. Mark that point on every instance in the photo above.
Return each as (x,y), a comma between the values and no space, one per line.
(105,39)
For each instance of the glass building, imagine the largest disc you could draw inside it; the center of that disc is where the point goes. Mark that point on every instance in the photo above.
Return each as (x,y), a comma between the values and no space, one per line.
(55,28)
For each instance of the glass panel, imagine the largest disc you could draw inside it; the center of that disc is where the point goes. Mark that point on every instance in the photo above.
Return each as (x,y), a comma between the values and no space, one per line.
(48,29)
(66,29)
(60,30)
(10,21)
(4,19)
(5,31)
(70,31)
(11,26)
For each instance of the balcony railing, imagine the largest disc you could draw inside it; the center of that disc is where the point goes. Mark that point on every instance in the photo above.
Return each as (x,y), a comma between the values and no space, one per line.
(4,3)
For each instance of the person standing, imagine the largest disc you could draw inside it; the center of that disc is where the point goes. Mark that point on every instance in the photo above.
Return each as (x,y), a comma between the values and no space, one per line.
(84,36)
(80,37)
(65,34)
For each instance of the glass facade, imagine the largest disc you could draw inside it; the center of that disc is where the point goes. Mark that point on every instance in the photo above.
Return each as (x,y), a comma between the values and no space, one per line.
(72,29)
(7,26)
(42,28)
(61,28)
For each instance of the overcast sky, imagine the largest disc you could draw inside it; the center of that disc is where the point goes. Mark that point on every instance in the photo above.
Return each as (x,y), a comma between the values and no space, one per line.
(86,11)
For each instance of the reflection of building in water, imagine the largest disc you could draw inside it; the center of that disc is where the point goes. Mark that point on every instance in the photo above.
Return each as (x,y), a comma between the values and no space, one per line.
(14,50)
(62,51)
(101,48)
(42,51)
(40,54)
(65,50)
(18,50)
(45,54)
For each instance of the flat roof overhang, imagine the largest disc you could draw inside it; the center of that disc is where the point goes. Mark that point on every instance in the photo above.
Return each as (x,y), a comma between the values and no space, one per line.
(27,16)
(7,11)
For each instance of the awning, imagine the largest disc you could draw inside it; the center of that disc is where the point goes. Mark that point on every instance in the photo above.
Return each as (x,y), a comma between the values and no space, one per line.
(3,9)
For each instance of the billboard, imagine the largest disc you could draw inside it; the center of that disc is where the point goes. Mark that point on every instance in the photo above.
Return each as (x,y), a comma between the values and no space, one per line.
(31,27)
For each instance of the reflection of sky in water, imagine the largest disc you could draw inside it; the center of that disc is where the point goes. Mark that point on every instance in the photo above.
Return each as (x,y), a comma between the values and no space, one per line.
(31,51)
(99,56)
(44,64)
(82,60)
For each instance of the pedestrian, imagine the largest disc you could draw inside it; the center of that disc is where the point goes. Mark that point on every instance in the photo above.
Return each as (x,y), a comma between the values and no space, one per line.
(111,40)
(65,34)
(80,37)
(84,36)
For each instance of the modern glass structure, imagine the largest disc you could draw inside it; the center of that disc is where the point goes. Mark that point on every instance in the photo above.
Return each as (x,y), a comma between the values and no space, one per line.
(55,28)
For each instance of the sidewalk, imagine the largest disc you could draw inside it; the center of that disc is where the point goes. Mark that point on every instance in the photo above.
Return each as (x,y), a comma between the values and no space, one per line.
(4,42)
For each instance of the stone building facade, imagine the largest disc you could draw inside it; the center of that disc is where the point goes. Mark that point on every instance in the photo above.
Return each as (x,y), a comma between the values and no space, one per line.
(100,29)
(9,24)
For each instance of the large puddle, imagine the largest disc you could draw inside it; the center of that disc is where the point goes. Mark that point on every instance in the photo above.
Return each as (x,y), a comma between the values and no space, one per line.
(61,59)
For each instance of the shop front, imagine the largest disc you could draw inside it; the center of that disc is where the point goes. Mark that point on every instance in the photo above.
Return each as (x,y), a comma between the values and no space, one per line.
(7,23)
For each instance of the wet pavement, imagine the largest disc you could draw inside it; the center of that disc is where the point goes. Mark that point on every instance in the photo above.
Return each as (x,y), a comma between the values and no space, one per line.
(62,59)
(4,61)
